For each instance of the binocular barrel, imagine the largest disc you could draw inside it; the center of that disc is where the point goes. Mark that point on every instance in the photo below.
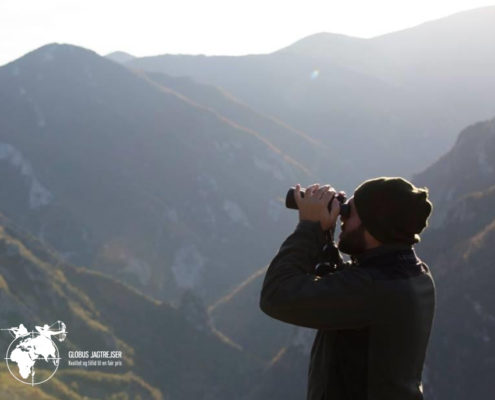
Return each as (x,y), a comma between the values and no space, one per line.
(290,202)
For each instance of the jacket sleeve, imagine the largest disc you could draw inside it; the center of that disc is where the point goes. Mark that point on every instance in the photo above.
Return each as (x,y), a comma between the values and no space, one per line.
(292,293)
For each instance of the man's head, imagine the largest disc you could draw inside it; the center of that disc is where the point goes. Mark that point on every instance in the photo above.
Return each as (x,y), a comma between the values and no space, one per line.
(384,210)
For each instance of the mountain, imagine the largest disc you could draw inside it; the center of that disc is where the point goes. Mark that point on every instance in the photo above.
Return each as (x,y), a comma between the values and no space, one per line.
(391,104)
(460,250)
(167,353)
(79,385)
(124,175)
(120,56)
(336,106)
(428,53)
(294,143)
(439,51)
(468,167)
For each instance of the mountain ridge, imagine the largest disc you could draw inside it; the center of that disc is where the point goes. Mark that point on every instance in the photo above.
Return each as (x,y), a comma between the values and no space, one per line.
(110,133)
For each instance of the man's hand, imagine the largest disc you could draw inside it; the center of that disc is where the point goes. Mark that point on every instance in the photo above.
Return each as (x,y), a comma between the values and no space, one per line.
(314,205)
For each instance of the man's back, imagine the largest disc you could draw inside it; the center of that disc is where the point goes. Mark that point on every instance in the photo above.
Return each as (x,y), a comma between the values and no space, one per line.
(385,359)
(373,316)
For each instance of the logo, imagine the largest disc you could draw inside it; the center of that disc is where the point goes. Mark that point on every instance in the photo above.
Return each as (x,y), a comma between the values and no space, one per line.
(34,349)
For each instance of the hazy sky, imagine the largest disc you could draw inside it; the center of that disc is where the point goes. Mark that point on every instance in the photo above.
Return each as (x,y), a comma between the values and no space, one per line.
(230,27)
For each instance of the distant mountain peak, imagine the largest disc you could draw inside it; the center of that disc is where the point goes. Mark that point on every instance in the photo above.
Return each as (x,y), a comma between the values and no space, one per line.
(468,167)
(120,56)
(321,41)
(328,36)
(462,21)
(50,51)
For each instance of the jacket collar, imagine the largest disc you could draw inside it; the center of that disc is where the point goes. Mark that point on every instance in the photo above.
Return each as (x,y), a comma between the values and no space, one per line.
(384,249)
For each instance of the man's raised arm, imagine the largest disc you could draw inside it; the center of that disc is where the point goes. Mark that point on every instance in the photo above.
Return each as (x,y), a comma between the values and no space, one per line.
(292,292)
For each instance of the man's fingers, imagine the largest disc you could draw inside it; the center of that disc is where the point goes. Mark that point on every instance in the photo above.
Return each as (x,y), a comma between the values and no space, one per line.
(334,212)
(327,196)
(327,189)
(316,191)
(312,188)
(297,194)
(319,192)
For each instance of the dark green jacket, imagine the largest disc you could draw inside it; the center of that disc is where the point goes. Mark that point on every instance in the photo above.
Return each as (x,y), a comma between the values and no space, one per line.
(373,315)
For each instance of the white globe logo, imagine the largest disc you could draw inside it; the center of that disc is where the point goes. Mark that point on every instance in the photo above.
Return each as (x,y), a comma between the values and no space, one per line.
(31,350)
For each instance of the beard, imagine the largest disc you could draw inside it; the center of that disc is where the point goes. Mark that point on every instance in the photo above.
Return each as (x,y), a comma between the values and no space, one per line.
(353,242)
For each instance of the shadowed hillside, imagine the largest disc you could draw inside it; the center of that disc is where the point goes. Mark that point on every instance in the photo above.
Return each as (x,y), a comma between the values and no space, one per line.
(162,349)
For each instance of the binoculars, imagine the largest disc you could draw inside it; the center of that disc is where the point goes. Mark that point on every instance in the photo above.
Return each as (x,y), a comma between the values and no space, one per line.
(290,202)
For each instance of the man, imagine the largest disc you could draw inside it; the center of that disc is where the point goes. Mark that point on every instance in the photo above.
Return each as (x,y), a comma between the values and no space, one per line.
(373,313)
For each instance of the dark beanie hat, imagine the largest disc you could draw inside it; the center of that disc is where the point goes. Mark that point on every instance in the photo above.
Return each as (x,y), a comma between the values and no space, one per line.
(392,209)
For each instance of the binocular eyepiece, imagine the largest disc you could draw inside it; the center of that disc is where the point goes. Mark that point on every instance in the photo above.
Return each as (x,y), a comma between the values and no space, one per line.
(290,202)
